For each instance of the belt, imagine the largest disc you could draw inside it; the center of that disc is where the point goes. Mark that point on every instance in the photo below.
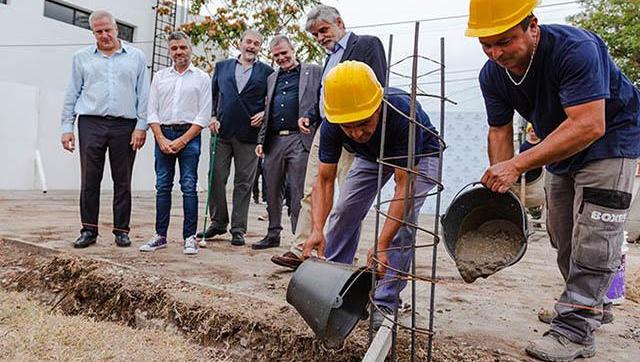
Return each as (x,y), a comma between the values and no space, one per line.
(286,132)
(107,117)
(176,127)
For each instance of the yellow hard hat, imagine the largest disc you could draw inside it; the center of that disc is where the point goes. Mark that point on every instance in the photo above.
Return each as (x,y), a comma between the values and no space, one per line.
(493,17)
(351,92)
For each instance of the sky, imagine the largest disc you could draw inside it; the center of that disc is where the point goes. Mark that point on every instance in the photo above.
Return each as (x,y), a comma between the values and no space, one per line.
(463,56)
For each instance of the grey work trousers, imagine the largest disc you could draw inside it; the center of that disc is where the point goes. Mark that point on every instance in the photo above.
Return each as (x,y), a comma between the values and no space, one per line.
(285,160)
(245,163)
(586,210)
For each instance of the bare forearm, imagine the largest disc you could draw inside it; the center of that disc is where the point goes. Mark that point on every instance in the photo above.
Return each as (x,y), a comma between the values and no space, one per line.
(564,142)
(500,142)
(157,131)
(191,133)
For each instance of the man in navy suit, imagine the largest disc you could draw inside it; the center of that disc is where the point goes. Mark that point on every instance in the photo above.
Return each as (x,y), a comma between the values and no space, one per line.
(327,27)
(239,88)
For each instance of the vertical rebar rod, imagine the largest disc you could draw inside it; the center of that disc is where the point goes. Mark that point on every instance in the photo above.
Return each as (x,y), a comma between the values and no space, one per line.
(378,196)
(410,201)
(434,258)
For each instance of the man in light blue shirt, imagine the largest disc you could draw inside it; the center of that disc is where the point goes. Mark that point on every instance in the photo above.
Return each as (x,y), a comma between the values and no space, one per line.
(107,95)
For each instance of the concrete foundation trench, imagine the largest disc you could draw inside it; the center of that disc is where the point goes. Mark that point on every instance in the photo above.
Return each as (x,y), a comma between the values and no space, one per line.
(238,327)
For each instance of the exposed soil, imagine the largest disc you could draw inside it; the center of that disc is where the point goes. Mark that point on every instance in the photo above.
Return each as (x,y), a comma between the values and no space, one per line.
(489,248)
(232,299)
(632,287)
(235,327)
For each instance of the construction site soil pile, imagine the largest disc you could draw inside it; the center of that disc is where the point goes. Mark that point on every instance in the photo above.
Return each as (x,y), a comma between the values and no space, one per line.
(243,328)
(632,287)
(484,251)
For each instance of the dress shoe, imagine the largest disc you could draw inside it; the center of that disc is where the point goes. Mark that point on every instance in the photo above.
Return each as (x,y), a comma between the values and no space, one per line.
(85,239)
(211,233)
(122,240)
(237,239)
(266,242)
(287,260)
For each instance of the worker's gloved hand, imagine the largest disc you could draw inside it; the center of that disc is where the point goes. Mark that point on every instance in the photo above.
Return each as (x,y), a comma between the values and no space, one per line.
(382,259)
(315,242)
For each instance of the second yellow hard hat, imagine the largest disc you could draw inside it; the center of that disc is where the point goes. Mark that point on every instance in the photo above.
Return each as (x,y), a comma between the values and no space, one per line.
(352,92)
(493,17)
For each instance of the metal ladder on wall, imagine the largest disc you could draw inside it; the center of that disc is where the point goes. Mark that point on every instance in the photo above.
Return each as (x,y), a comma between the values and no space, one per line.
(165,23)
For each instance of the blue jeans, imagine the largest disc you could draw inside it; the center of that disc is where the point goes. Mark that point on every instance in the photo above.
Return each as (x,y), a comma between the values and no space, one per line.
(165,166)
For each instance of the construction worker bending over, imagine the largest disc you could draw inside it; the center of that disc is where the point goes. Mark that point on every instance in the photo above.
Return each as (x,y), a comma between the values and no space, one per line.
(587,113)
(353,107)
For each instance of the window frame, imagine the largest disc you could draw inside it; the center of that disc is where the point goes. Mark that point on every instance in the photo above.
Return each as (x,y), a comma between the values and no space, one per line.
(126,35)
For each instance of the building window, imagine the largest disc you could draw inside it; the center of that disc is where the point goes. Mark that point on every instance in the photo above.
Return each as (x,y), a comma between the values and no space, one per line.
(125,32)
(80,18)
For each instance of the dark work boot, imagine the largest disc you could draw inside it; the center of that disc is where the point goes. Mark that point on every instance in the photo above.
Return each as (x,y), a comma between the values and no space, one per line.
(554,347)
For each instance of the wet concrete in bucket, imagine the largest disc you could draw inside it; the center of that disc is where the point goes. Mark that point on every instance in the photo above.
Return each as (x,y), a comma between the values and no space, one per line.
(487,249)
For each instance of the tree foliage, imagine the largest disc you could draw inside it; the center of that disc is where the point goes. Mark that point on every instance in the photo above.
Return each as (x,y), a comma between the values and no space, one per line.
(218,32)
(617,22)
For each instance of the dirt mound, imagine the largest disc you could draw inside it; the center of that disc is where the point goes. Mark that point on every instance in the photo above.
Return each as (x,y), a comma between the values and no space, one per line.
(632,287)
(246,329)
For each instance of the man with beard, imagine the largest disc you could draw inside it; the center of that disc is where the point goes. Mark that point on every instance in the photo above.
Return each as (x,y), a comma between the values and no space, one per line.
(179,108)
(239,88)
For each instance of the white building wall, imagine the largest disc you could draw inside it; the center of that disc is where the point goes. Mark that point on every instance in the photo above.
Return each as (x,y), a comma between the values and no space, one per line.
(34,70)
(19,122)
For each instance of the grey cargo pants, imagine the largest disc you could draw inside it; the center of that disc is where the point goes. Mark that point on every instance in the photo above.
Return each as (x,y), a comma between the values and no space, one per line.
(585,221)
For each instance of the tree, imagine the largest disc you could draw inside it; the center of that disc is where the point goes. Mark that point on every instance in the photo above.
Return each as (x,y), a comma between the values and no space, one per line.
(219,31)
(617,22)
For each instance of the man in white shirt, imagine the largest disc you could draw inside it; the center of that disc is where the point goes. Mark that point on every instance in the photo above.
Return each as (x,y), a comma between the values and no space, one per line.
(179,108)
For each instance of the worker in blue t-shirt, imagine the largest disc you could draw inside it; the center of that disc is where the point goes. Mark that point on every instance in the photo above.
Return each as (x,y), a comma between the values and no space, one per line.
(587,113)
(353,106)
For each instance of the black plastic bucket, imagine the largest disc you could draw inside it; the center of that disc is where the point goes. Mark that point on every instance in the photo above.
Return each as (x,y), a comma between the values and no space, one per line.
(475,205)
(330,297)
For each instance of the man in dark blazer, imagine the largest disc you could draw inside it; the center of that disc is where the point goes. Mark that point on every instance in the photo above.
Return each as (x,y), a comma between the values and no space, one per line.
(291,98)
(239,88)
(328,28)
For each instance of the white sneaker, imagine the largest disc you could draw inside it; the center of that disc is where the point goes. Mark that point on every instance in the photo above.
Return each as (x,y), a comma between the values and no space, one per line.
(190,246)
(202,243)
(156,242)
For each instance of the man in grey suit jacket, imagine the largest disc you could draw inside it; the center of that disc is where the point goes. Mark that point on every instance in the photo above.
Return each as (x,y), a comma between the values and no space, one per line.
(291,99)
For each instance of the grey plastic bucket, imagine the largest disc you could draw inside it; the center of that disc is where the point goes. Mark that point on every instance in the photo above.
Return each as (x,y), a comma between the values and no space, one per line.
(330,297)
(473,206)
